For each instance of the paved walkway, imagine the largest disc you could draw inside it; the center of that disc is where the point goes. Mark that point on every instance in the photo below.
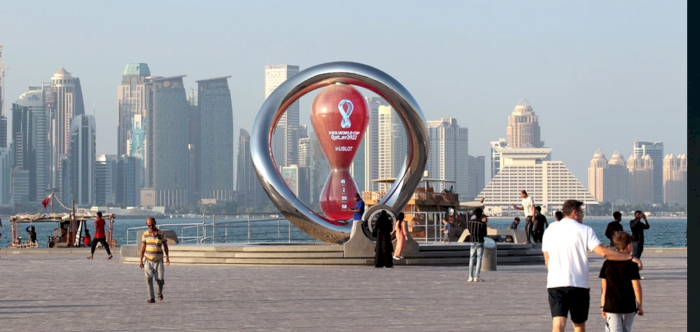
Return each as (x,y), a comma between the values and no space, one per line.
(50,292)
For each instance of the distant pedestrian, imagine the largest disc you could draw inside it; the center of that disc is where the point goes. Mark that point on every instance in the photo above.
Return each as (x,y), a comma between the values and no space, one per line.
(153,245)
(32,236)
(401,231)
(87,239)
(383,249)
(446,230)
(614,226)
(621,289)
(99,236)
(558,215)
(539,225)
(477,231)
(359,209)
(637,228)
(527,205)
(565,247)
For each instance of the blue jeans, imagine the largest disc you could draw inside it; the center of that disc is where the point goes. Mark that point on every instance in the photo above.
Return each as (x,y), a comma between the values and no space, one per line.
(619,322)
(637,249)
(475,254)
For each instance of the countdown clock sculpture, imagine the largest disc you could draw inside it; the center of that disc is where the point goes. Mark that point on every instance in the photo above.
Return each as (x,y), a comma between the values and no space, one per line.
(340,116)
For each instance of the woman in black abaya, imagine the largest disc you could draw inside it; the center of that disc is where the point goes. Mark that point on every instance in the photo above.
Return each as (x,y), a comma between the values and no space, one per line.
(383,250)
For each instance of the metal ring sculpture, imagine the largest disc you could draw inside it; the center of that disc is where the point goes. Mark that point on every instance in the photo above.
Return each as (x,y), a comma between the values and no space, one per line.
(316,77)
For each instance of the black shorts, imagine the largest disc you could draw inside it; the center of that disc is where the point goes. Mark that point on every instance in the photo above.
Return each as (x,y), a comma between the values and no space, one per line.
(576,300)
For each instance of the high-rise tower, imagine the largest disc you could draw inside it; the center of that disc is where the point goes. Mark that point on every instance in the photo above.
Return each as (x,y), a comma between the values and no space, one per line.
(596,176)
(523,127)
(30,131)
(286,136)
(655,150)
(391,144)
(82,160)
(449,155)
(676,180)
(617,180)
(641,170)
(131,100)
(167,139)
(215,163)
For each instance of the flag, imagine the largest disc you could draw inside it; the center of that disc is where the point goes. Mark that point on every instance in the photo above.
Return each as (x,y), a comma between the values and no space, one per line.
(45,201)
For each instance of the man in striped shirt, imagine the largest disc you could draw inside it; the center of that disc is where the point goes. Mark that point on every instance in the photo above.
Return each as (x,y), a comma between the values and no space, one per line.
(153,245)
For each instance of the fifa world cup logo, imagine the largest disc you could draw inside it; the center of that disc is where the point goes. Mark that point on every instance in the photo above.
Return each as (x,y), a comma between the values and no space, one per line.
(339,116)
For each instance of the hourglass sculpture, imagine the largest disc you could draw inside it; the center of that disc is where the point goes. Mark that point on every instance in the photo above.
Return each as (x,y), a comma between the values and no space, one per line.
(340,143)
(339,116)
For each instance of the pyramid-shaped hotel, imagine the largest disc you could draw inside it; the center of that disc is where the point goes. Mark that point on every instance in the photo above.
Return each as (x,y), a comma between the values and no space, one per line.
(521,162)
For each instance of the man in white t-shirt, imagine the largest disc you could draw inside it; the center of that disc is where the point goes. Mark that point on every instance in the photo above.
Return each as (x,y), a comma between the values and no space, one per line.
(528,207)
(565,246)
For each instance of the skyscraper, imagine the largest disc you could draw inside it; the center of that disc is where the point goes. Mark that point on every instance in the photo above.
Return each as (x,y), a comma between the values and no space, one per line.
(285,139)
(655,150)
(82,160)
(370,144)
(3,116)
(249,192)
(65,102)
(477,177)
(675,180)
(496,156)
(30,132)
(131,100)
(127,181)
(523,127)
(106,177)
(391,144)
(617,180)
(641,170)
(596,176)
(215,162)
(449,155)
(167,139)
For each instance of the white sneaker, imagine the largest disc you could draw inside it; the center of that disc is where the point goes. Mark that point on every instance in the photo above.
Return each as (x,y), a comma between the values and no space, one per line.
(396,258)
(470,279)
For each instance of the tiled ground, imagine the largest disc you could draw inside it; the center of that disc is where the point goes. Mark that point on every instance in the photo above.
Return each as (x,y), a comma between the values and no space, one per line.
(62,292)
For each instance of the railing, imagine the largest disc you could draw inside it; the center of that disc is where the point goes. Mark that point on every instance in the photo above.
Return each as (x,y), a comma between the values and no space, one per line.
(427,222)
(243,229)
(247,228)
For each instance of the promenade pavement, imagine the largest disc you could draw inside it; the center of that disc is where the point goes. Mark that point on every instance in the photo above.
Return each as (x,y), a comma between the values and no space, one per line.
(66,292)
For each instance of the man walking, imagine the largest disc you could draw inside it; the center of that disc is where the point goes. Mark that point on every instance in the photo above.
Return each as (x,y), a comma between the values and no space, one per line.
(99,236)
(638,228)
(477,231)
(527,205)
(565,247)
(614,226)
(153,245)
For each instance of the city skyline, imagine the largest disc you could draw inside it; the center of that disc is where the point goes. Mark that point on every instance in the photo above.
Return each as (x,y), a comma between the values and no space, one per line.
(619,69)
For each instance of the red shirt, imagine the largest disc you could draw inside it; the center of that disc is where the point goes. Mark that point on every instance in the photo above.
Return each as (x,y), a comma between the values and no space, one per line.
(87,241)
(99,228)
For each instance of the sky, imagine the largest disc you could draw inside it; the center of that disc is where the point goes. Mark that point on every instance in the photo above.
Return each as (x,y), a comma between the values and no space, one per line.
(599,74)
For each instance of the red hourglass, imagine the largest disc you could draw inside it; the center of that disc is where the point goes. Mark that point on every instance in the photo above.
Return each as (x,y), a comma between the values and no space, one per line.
(339,116)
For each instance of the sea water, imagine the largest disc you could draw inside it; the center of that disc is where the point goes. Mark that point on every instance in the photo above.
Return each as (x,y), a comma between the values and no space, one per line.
(663,233)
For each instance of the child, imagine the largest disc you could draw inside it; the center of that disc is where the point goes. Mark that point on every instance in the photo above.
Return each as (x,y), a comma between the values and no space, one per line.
(446,230)
(622,291)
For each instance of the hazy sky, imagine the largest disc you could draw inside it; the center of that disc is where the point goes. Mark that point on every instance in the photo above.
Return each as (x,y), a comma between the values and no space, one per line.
(600,74)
